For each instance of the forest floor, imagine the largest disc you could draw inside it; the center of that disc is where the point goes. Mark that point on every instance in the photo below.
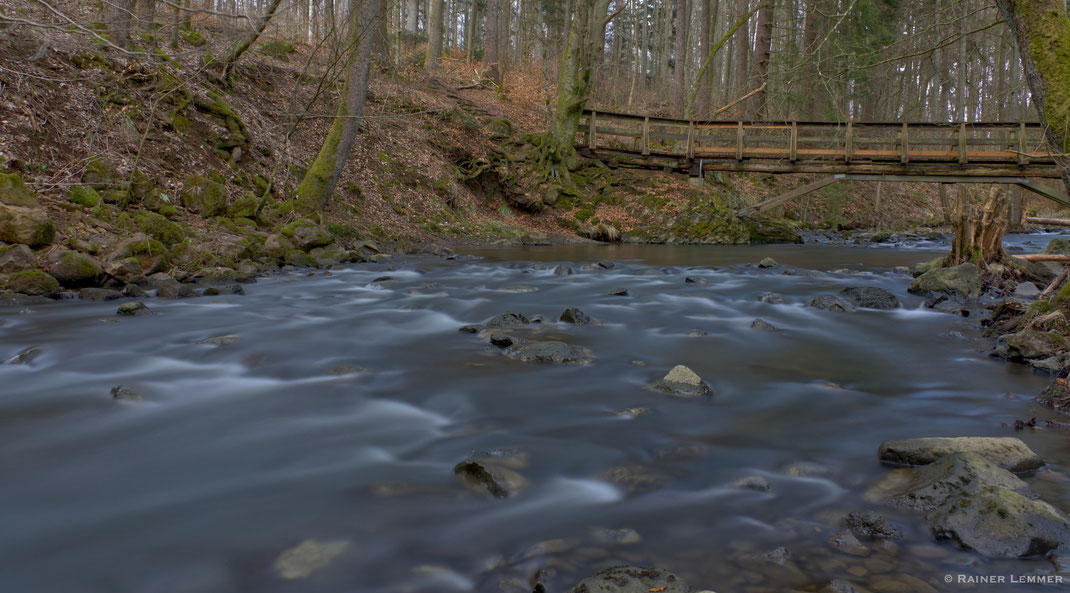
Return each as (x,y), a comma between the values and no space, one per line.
(440,158)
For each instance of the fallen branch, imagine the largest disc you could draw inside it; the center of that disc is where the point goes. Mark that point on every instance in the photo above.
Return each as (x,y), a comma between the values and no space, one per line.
(1055,284)
(1047,221)
(1055,257)
(740,100)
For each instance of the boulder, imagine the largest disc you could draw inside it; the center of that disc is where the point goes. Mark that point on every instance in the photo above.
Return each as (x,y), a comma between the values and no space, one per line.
(771,297)
(962,281)
(489,477)
(224,289)
(955,476)
(15,258)
(1026,290)
(13,192)
(768,262)
(29,226)
(632,579)
(84,196)
(299,259)
(305,235)
(550,351)
(508,320)
(33,283)
(762,325)
(127,271)
(204,196)
(872,525)
(159,228)
(1009,453)
(99,294)
(328,256)
(1000,523)
(575,316)
(1033,342)
(828,302)
(683,382)
(243,207)
(73,268)
(134,291)
(563,270)
(169,288)
(150,254)
(308,557)
(870,297)
(619,292)
(133,308)
(277,245)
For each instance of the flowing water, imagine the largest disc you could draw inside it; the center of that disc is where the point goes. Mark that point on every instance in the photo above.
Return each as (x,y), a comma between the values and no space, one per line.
(341,408)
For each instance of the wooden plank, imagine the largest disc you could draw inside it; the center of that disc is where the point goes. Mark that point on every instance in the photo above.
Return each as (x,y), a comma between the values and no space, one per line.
(739,141)
(787,196)
(646,135)
(1023,158)
(793,141)
(592,134)
(904,143)
(849,146)
(1045,191)
(690,139)
(963,154)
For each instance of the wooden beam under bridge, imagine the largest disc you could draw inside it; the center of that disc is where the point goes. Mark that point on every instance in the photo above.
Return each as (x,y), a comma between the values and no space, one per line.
(1030,184)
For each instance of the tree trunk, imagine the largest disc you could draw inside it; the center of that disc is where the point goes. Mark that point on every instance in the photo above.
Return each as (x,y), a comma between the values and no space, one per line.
(1042,32)
(232,57)
(146,14)
(492,70)
(742,49)
(979,228)
(117,16)
(762,50)
(316,188)
(582,50)
(679,62)
(434,42)
(411,12)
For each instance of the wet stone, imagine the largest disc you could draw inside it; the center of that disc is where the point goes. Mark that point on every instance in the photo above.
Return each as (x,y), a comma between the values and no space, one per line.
(133,308)
(575,316)
(508,320)
(632,579)
(757,483)
(870,524)
(489,478)
(125,393)
(308,557)
(683,382)
(762,325)
(619,292)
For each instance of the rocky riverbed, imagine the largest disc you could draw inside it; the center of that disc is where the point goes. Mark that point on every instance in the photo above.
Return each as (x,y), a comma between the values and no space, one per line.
(526,420)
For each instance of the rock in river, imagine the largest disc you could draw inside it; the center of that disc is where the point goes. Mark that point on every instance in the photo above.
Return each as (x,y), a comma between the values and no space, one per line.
(683,382)
(870,297)
(955,476)
(632,579)
(1009,453)
(828,302)
(550,351)
(509,320)
(762,325)
(133,308)
(768,262)
(575,316)
(490,477)
(869,524)
(125,393)
(963,281)
(1001,523)
(308,557)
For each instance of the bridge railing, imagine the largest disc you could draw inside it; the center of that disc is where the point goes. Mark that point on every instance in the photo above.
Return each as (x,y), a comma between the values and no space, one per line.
(903,143)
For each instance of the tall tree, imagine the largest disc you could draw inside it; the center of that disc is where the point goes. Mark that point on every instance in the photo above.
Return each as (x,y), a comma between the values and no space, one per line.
(117,16)
(679,68)
(1042,32)
(146,14)
(318,185)
(235,53)
(434,41)
(490,44)
(582,50)
(763,48)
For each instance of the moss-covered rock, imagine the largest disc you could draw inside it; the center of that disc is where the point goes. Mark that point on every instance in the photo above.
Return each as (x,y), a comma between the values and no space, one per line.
(116,197)
(278,49)
(194,38)
(963,281)
(33,282)
(773,230)
(74,269)
(99,174)
(243,207)
(151,255)
(306,234)
(295,257)
(30,226)
(159,228)
(277,245)
(15,258)
(204,196)
(84,196)
(328,256)
(14,192)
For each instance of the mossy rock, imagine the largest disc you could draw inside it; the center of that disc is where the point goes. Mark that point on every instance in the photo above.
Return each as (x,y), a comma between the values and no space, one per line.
(141,185)
(99,174)
(298,258)
(84,196)
(278,49)
(29,226)
(159,228)
(74,268)
(194,38)
(33,282)
(118,197)
(243,207)
(14,192)
(203,195)
(773,230)
(88,60)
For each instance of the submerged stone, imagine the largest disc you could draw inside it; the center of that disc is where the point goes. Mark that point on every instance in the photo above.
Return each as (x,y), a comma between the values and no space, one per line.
(308,557)
(683,382)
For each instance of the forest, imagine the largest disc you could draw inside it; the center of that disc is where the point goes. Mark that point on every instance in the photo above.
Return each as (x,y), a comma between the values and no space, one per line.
(534,296)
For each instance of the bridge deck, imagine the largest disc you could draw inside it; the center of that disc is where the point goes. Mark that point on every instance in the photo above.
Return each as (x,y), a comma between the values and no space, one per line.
(959,149)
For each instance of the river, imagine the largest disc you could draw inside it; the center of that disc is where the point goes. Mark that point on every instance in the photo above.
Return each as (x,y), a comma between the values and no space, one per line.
(339,407)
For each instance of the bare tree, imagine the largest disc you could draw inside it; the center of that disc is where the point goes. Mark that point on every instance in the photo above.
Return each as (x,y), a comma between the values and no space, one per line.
(434,42)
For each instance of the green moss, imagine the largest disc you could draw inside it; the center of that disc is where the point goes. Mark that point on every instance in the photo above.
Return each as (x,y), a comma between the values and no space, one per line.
(119,197)
(159,228)
(243,207)
(1049,48)
(15,193)
(33,282)
(88,60)
(203,195)
(194,38)
(84,196)
(278,49)
(99,174)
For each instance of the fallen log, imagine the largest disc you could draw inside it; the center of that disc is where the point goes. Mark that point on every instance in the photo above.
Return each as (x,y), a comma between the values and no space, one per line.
(1055,257)
(1047,221)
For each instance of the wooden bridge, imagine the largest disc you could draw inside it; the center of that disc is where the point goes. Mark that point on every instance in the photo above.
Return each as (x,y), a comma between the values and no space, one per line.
(1012,153)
